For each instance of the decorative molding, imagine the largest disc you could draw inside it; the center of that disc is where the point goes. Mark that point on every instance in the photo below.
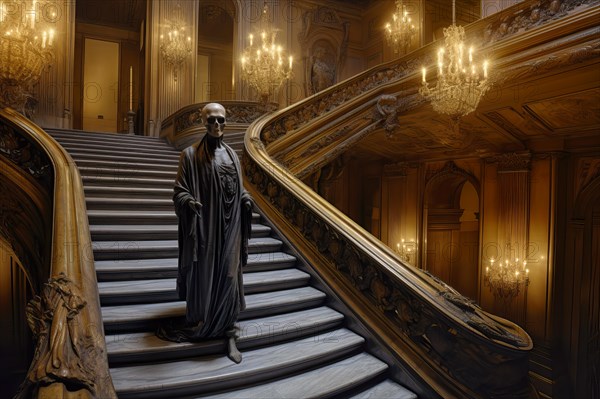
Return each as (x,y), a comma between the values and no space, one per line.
(397,169)
(450,168)
(441,340)
(25,155)
(513,162)
(539,13)
(236,113)
(332,98)
(62,354)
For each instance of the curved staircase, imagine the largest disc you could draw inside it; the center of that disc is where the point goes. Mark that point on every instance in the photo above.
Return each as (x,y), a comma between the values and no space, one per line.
(294,344)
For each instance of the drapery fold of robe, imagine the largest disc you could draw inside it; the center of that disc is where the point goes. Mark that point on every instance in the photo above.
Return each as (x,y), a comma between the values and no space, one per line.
(213,246)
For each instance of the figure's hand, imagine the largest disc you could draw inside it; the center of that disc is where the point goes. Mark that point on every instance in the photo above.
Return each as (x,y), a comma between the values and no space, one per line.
(195,206)
(248,205)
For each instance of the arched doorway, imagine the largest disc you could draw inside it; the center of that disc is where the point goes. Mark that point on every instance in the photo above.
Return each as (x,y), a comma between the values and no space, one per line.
(451,230)
(215,52)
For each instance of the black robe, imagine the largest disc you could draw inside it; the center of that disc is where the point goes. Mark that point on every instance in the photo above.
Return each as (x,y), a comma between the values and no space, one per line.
(213,246)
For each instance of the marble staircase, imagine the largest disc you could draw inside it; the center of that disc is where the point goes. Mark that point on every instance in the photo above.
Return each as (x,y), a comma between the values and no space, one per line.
(294,345)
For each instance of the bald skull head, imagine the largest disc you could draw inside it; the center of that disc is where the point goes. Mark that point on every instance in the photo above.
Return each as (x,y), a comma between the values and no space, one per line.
(213,117)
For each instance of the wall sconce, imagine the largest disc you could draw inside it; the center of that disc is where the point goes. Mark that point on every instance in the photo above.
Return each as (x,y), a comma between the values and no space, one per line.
(406,250)
(506,279)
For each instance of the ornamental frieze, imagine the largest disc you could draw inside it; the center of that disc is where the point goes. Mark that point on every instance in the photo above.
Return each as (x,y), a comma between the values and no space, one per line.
(539,13)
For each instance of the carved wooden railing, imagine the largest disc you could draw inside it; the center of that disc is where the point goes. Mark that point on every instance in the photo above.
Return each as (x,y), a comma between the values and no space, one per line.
(450,342)
(184,127)
(70,355)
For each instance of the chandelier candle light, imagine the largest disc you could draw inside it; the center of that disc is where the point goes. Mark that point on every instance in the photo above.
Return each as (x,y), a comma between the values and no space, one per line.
(265,66)
(506,279)
(176,46)
(400,31)
(27,39)
(461,81)
(404,251)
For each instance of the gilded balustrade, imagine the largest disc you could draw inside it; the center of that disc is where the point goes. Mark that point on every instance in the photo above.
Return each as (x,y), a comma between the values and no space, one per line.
(48,227)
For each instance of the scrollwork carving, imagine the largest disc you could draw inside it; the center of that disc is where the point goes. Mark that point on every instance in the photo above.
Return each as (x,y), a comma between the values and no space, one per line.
(25,155)
(537,14)
(62,354)
(513,162)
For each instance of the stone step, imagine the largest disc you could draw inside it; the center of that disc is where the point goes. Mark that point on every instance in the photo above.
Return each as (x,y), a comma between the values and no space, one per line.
(119,137)
(144,317)
(106,232)
(213,373)
(332,380)
(128,192)
(387,389)
(163,290)
(125,165)
(94,202)
(113,217)
(92,171)
(90,144)
(124,181)
(146,346)
(166,153)
(131,158)
(147,249)
(133,269)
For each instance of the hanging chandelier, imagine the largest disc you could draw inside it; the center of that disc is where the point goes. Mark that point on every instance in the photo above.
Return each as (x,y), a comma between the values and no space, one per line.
(461,81)
(506,279)
(27,38)
(400,31)
(176,45)
(265,66)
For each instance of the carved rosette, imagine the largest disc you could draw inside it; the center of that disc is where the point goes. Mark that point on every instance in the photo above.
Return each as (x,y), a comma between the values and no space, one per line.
(62,354)
(472,361)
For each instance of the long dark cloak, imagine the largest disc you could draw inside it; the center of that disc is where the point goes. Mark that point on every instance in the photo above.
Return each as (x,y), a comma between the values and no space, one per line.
(213,246)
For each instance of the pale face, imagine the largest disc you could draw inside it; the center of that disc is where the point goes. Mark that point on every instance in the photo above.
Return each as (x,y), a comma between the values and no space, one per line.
(213,116)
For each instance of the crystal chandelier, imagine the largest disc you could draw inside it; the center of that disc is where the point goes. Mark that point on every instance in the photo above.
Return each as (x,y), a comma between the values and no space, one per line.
(506,279)
(406,250)
(461,81)
(27,38)
(176,46)
(400,31)
(265,67)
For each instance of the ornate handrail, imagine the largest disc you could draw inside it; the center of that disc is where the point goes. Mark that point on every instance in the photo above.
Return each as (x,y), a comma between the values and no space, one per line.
(184,126)
(70,355)
(450,342)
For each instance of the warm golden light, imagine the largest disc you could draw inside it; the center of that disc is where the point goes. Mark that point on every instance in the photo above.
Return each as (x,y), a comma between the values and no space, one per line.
(266,71)
(505,279)
(176,46)
(27,37)
(461,83)
(400,32)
